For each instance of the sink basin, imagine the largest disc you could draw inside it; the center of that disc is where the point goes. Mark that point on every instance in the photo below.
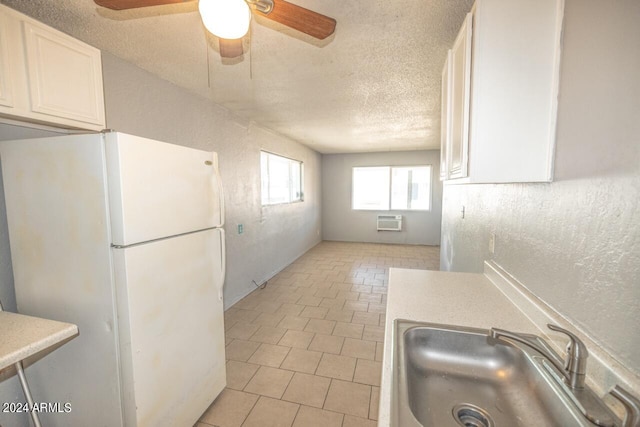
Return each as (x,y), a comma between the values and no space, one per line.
(453,376)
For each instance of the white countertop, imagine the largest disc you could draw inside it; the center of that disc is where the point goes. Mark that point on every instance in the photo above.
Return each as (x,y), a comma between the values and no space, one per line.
(462,299)
(23,336)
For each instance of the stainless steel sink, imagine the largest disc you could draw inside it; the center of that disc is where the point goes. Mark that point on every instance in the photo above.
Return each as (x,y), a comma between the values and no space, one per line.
(453,376)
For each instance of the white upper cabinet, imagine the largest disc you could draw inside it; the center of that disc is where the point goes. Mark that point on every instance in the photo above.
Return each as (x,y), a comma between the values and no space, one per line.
(445,119)
(512,94)
(50,77)
(6,94)
(460,80)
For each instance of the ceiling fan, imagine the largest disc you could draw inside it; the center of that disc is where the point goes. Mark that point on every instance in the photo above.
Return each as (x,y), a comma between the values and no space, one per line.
(229,19)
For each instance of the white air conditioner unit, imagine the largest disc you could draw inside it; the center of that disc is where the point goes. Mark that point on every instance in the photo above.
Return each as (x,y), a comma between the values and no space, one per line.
(389,222)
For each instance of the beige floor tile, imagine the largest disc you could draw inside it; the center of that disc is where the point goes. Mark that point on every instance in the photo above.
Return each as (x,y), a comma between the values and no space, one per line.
(268,306)
(239,374)
(241,315)
(355,280)
(339,315)
(230,409)
(297,339)
(249,302)
(290,309)
(287,298)
(383,290)
(312,417)
(348,294)
(314,312)
(383,319)
(268,319)
(332,304)
(310,390)
(320,326)
(242,330)
(371,298)
(359,349)
(375,402)
(366,318)
(268,335)
(293,322)
(341,287)
(302,361)
(272,413)
(327,343)
(335,366)
(227,340)
(356,305)
(327,293)
(379,351)
(269,382)
(240,349)
(310,300)
(269,355)
(368,372)
(307,290)
(349,330)
(334,280)
(348,398)
(351,421)
(373,333)
(362,289)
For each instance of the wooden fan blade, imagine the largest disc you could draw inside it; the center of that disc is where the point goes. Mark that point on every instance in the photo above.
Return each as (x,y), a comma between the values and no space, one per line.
(134,4)
(301,19)
(230,48)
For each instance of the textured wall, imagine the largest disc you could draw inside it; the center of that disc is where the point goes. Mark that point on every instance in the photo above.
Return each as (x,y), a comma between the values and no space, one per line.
(142,104)
(340,222)
(575,242)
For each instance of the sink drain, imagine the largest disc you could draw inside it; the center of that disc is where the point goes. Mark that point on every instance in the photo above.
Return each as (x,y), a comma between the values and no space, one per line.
(471,416)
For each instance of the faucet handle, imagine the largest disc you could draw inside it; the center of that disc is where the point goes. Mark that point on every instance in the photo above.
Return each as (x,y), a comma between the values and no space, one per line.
(577,352)
(631,405)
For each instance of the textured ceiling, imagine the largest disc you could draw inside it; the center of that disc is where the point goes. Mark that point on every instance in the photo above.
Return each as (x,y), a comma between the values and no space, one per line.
(372,86)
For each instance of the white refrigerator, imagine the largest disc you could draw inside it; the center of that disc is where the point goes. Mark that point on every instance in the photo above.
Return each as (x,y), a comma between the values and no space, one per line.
(122,236)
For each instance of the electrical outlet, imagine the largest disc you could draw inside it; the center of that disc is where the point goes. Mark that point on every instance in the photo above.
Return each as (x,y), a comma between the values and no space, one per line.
(240,228)
(492,243)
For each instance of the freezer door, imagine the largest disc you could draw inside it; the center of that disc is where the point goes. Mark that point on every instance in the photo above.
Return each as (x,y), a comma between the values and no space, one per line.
(171,329)
(158,189)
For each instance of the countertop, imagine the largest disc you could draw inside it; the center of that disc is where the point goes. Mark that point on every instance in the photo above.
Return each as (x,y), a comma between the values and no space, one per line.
(23,336)
(462,299)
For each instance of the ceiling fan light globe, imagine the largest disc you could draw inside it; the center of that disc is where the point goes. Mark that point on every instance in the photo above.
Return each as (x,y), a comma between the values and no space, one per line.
(227,19)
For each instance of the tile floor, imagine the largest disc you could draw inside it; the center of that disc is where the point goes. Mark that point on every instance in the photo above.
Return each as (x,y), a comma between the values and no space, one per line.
(306,350)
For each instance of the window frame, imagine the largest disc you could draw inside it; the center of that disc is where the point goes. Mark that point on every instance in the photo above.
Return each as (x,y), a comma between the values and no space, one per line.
(390,189)
(300,199)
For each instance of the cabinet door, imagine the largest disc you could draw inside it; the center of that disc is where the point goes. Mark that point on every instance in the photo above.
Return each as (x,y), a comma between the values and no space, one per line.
(460,86)
(445,119)
(65,75)
(6,93)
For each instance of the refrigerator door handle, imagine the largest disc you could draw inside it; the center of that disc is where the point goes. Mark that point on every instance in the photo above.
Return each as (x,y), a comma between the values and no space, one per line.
(223,252)
(220,189)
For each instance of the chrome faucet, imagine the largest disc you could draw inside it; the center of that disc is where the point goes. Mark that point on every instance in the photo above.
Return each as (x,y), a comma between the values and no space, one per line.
(574,368)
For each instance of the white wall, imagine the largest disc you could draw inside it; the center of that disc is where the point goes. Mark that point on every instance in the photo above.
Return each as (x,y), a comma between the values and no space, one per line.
(575,242)
(142,104)
(341,223)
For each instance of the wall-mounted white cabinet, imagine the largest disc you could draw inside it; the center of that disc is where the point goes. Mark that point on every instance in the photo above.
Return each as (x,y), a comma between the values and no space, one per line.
(47,76)
(503,117)
(445,119)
